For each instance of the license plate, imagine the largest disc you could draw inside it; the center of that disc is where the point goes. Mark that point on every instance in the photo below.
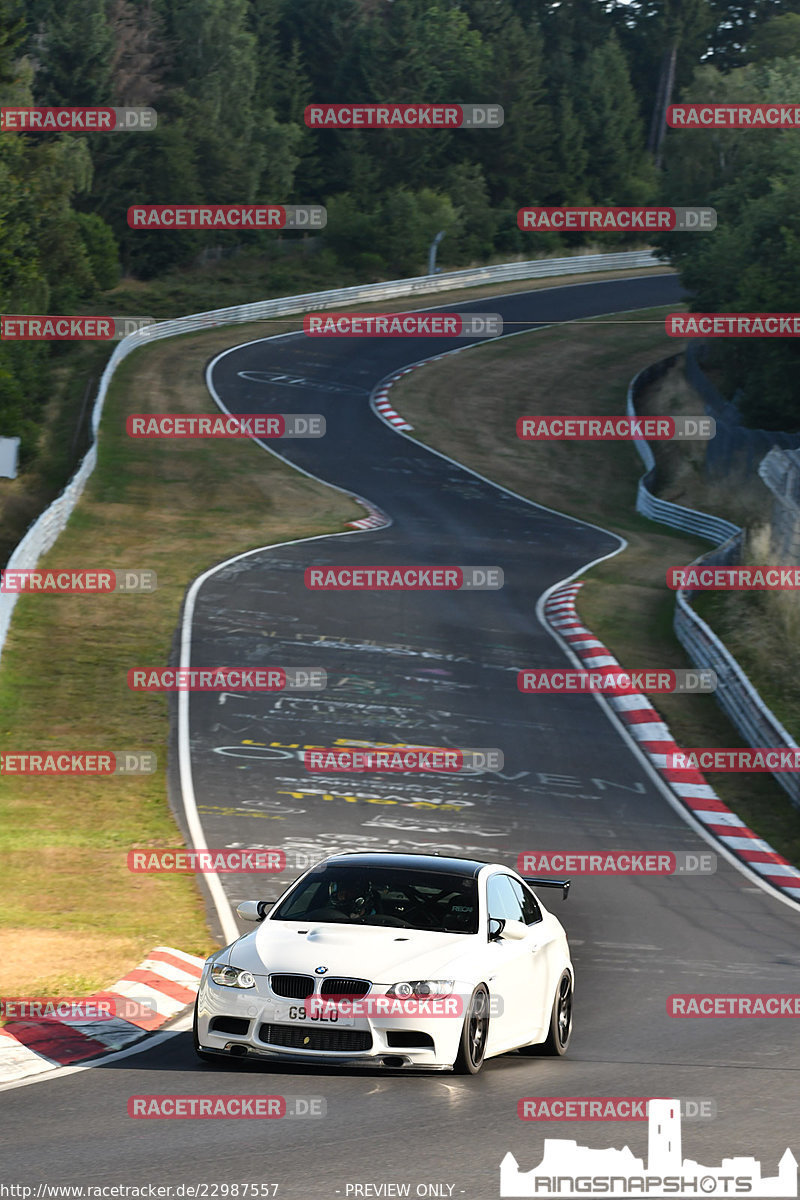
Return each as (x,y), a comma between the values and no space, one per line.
(322,1016)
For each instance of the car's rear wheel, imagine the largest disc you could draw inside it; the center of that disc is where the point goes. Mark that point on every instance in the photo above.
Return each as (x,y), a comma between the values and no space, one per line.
(472,1047)
(204,1054)
(560,1031)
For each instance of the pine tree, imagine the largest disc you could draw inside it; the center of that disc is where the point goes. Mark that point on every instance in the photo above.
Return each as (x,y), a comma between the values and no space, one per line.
(12,36)
(75,51)
(618,171)
(571,153)
(519,158)
(294,93)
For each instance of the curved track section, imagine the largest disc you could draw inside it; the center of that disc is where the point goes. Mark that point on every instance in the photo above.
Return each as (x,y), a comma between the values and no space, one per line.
(438,668)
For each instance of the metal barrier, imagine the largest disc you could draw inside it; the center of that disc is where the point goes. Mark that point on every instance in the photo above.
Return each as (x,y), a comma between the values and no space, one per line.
(42,534)
(735,694)
(691,520)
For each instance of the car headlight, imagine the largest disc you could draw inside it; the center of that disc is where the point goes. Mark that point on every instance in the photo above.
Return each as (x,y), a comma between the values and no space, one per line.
(232,977)
(421,988)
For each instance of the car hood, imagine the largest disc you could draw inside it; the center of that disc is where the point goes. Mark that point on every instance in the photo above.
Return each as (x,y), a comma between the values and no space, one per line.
(363,951)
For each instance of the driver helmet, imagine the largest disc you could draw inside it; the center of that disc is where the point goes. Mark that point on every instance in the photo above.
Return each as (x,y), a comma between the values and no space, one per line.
(345,892)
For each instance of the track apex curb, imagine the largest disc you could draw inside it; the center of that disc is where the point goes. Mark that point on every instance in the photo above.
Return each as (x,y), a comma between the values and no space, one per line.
(383,409)
(165,983)
(653,736)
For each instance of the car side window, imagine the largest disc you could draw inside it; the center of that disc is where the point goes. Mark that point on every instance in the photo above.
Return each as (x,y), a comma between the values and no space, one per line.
(502,899)
(531,912)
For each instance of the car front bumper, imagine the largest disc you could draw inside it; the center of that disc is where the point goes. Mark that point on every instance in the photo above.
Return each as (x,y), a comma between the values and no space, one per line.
(238,1024)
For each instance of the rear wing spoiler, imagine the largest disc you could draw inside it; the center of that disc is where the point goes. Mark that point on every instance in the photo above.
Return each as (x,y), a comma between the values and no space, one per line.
(554,883)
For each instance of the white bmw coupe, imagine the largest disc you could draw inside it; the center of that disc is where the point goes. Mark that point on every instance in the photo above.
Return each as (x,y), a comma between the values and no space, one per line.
(394,961)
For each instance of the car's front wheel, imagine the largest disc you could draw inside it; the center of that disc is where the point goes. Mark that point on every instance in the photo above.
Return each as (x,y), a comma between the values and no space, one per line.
(560,1031)
(472,1047)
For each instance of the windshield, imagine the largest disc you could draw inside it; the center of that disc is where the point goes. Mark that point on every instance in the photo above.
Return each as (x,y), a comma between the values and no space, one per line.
(407,899)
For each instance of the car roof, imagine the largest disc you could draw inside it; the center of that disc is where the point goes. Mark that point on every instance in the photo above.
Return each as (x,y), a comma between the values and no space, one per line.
(409,862)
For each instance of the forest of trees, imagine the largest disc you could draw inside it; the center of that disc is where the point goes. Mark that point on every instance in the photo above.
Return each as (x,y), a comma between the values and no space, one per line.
(581,82)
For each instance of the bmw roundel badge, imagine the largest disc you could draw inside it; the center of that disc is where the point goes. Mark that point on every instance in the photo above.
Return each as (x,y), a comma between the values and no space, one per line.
(320,970)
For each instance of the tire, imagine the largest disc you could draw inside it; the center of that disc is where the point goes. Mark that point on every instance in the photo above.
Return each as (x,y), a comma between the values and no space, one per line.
(204,1054)
(474,1034)
(560,1031)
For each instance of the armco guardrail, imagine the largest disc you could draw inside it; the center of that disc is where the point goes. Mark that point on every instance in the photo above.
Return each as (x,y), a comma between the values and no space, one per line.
(714,529)
(735,694)
(44,531)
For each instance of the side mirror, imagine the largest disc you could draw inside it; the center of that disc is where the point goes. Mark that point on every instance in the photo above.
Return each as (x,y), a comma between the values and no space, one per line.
(253,910)
(514,931)
(496,926)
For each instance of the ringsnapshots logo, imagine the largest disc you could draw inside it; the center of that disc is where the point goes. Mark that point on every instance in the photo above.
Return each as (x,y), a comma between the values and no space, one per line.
(404,116)
(226,861)
(733,116)
(52,328)
(227,679)
(403,760)
(242,425)
(404,579)
(77,120)
(228,216)
(569,1170)
(403,324)
(616,429)
(732,325)
(762,578)
(607,1108)
(31,581)
(616,862)
(614,681)
(78,762)
(618,219)
(225,1108)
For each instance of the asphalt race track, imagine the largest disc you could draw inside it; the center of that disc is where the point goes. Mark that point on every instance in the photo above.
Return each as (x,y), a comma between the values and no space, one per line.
(438,668)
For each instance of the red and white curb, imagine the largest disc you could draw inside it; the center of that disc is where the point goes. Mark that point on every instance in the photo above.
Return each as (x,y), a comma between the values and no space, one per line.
(164,985)
(380,397)
(375,520)
(647,728)
(381,405)
(384,410)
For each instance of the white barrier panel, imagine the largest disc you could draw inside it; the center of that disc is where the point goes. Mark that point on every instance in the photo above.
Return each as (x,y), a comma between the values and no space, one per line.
(9,449)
